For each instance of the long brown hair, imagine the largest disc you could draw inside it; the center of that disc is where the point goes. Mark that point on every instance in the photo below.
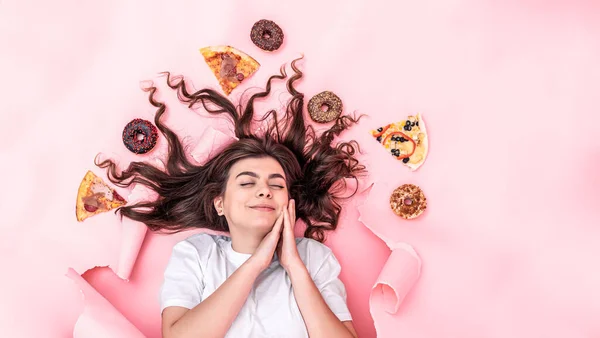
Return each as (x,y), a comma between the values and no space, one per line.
(315,169)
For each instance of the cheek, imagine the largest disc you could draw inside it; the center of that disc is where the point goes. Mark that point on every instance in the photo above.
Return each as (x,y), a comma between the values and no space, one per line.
(282,198)
(235,200)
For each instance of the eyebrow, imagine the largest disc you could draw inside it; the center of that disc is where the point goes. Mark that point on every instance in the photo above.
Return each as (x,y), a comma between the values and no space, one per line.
(249,173)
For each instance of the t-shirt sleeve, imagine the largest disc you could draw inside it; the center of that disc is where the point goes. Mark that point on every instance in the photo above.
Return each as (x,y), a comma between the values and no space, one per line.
(332,289)
(183,278)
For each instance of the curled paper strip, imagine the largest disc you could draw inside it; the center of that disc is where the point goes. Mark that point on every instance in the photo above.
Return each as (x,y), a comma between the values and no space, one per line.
(133,233)
(400,273)
(99,318)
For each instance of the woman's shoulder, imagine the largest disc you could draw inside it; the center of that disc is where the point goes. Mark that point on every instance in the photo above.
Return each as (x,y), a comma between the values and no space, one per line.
(205,237)
(312,250)
(310,244)
(202,243)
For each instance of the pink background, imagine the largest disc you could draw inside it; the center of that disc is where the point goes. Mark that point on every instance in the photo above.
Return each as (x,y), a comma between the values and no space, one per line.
(509,91)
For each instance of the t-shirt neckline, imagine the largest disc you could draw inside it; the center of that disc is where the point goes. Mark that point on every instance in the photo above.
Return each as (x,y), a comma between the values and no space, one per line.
(239,258)
(236,257)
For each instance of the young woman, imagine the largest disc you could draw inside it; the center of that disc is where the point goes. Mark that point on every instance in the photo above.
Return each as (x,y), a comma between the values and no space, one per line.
(257,279)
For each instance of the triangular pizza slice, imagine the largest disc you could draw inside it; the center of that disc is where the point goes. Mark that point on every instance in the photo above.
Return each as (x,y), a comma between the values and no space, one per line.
(95,197)
(407,140)
(229,65)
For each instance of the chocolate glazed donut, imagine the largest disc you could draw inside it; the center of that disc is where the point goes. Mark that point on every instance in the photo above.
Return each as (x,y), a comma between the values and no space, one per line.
(139,136)
(325,107)
(266,35)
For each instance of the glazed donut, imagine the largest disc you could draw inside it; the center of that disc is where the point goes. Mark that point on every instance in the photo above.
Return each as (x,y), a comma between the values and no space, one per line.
(325,107)
(266,35)
(139,136)
(408,201)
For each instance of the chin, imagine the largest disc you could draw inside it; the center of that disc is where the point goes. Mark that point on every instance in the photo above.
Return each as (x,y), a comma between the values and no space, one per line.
(263,223)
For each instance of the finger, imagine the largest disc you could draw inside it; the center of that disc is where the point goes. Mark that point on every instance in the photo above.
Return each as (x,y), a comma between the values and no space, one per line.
(293,212)
(278,225)
(278,248)
(286,218)
(287,225)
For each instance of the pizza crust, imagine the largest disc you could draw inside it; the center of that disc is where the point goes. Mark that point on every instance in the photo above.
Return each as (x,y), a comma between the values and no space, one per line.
(424,144)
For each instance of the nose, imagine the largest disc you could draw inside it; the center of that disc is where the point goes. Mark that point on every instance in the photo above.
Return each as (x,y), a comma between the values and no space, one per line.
(264,191)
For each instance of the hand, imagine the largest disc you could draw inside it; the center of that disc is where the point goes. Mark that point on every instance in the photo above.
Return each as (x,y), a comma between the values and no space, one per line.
(263,255)
(286,248)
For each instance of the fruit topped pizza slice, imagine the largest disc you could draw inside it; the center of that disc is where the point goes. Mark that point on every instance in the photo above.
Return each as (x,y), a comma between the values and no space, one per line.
(406,140)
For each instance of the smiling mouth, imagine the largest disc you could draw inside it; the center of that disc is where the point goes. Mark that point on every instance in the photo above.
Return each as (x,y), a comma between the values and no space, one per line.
(261,208)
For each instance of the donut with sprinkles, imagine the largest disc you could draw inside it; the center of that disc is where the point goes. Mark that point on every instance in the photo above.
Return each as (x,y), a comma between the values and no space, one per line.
(139,136)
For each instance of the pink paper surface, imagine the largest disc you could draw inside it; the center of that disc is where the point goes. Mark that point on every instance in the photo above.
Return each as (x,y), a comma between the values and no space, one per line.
(99,318)
(509,90)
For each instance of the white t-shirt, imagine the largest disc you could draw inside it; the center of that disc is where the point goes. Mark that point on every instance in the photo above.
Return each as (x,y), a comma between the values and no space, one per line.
(202,262)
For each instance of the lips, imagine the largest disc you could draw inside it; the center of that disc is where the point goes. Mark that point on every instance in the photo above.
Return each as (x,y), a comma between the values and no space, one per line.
(263,207)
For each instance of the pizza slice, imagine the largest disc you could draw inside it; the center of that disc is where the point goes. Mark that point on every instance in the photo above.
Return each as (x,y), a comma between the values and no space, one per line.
(229,65)
(406,140)
(94,197)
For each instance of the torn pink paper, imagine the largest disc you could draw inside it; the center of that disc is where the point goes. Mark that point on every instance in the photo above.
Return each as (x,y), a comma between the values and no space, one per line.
(99,318)
(211,142)
(133,233)
(400,273)
(402,269)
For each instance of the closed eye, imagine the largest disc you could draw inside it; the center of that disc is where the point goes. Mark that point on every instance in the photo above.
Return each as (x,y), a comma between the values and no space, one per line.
(252,183)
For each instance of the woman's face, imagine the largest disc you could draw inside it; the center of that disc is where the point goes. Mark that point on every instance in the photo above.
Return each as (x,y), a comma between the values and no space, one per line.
(255,195)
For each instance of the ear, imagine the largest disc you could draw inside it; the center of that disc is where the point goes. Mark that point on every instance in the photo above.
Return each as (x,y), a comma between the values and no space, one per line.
(218,203)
